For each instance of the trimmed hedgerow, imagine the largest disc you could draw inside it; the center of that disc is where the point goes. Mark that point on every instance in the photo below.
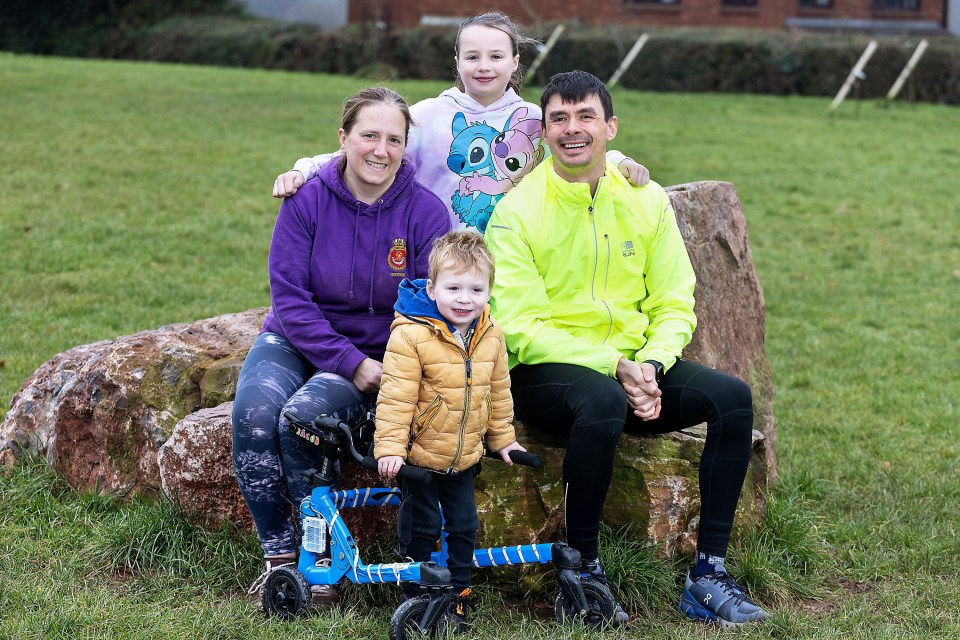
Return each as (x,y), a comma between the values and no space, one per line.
(692,60)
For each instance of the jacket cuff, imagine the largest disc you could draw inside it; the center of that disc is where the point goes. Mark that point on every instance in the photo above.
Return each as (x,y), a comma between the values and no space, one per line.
(306,167)
(612,371)
(383,449)
(495,443)
(348,364)
(665,359)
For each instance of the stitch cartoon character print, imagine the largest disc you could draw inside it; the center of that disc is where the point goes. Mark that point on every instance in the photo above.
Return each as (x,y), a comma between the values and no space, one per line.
(490,162)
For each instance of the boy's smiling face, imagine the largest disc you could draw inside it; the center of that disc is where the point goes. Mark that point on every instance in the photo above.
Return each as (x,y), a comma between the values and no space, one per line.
(460,297)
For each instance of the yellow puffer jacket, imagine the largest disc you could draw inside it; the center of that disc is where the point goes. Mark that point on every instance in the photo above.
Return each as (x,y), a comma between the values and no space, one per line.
(438,401)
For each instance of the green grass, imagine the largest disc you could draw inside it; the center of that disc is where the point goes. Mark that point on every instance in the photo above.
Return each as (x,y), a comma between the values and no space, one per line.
(135,195)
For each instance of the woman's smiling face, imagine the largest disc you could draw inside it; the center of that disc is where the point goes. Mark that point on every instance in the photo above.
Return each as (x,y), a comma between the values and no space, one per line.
(374,150)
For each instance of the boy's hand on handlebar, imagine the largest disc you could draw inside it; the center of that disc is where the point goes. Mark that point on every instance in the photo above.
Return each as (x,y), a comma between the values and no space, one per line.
(388,466)
(505,452)
(287,184)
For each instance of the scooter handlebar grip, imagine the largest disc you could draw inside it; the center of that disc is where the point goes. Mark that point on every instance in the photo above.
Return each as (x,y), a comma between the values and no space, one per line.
(406,472)
(526,458)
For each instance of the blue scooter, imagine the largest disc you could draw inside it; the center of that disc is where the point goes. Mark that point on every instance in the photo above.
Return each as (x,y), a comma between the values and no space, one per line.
(329,555)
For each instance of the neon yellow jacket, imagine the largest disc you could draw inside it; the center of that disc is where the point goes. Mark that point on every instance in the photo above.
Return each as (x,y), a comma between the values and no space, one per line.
(587,281)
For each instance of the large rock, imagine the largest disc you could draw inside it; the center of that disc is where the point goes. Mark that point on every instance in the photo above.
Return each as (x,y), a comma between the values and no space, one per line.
(654,490)
(101,412)
(730,308)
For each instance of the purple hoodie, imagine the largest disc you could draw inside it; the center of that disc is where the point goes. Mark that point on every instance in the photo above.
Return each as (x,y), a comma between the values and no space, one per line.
(335,264)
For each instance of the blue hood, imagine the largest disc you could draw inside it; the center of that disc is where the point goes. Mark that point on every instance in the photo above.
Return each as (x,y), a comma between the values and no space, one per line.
(413,302)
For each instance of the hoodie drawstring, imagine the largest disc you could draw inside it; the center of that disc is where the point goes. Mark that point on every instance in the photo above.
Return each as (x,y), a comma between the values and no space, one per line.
(353,262)
(376,243)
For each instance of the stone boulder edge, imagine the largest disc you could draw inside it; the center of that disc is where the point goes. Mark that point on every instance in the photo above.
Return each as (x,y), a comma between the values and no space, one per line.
(99,412)
(731,312)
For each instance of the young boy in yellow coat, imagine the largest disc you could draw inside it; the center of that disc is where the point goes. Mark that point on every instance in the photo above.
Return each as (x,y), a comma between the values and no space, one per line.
(445,388)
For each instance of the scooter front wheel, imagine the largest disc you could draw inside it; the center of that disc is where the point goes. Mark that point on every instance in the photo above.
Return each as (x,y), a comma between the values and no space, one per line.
(405,623)
(286,593)
(600,605)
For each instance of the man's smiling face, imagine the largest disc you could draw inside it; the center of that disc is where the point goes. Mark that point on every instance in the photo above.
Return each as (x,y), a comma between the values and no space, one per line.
(577,134)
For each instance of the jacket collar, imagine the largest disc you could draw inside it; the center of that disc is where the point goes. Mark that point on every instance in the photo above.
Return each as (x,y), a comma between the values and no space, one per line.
(395,195)
(578,193)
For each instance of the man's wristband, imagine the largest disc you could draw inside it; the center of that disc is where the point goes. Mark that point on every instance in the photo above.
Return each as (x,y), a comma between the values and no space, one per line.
(658,367)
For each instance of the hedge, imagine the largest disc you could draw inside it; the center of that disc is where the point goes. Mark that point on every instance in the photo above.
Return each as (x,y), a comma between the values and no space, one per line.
(778,63)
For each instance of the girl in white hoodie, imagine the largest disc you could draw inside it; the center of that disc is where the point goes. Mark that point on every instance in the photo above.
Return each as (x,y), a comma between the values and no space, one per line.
(473,142)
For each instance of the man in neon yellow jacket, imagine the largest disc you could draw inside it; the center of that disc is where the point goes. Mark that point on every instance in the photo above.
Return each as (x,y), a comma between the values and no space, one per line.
(594,293)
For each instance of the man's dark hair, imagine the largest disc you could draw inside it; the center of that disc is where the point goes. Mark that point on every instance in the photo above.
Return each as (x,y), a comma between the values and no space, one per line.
(575,86)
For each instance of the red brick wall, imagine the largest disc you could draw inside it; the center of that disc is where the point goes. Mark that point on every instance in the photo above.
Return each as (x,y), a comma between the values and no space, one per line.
(768,14)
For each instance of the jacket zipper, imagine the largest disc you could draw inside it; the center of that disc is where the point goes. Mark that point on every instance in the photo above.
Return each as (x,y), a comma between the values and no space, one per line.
(596,260)
(606,276)
(433,407)
(461,436)
(467,392)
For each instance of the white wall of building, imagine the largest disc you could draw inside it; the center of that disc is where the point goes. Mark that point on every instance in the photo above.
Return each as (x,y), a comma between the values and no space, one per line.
(953,17)
(329,14)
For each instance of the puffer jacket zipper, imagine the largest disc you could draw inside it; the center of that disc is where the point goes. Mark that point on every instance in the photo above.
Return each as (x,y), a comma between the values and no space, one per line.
(467,393)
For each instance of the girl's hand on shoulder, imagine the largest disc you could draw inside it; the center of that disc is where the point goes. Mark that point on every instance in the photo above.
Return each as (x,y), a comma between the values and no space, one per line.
(287,184)
(635,172)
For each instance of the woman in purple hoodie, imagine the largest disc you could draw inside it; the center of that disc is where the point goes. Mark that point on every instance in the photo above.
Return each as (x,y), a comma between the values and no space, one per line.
(341,246)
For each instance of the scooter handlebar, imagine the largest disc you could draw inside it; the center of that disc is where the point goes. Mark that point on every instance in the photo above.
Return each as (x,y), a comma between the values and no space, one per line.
(406,472)
(525,458)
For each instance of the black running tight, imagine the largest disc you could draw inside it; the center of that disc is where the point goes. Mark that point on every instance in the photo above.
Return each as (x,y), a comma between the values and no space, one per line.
(557,397)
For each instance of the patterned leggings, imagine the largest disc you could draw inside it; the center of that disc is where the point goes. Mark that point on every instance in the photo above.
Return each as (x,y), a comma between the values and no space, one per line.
(268,460)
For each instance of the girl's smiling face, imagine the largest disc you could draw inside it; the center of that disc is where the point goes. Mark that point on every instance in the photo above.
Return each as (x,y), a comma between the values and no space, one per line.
(485,62)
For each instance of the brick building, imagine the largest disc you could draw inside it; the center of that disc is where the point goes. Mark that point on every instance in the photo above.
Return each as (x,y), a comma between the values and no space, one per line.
(931,16)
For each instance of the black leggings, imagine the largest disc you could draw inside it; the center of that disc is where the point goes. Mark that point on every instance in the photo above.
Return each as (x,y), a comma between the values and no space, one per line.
(419,523)
(556,397)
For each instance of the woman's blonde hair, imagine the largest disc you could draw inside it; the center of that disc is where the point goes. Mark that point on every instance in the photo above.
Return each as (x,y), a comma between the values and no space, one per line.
(372,96)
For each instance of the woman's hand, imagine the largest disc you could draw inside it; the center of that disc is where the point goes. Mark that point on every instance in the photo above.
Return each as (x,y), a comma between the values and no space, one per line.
(367,375)
(388,466)
(287,184)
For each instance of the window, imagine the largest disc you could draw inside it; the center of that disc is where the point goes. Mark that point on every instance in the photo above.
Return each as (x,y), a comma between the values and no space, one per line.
(739,3)
(651,2)
(896,5)
(816,4)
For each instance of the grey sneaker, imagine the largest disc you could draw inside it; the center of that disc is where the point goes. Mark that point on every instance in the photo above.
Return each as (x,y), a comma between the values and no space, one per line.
(717,598)
(591,570)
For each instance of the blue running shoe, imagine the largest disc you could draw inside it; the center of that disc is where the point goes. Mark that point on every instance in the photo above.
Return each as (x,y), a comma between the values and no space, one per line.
(716,598)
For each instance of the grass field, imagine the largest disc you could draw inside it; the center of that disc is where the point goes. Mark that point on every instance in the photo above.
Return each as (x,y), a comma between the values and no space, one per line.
(136,195)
